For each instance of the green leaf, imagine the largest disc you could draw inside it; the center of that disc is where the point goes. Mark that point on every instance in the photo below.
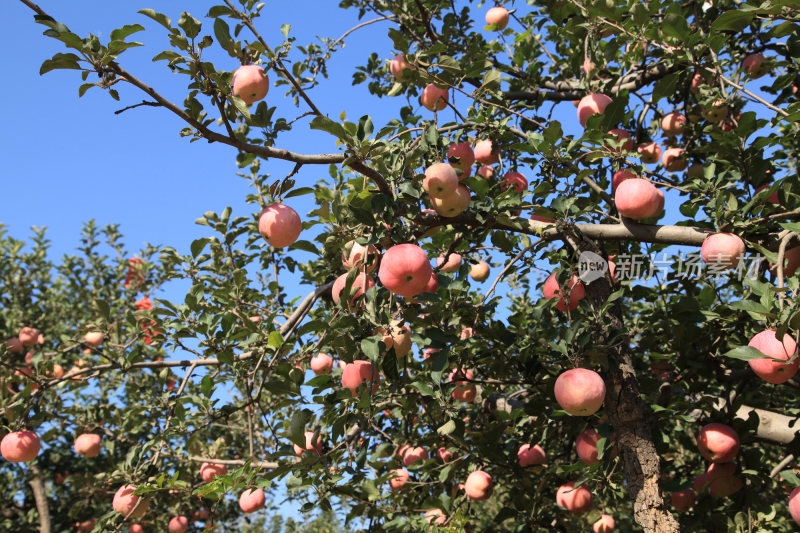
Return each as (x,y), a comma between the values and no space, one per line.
(297,428)
(241,106)
(447,428)
(305,246)
(115,47)
(218,11)
(60,61)
(275,339)
(791,477)
(791,226)
(223,33)
(158,17)
(190,25)
(744,353)
(121,33)
(326,124)
(169,55)
(299,191)
(424,388)
(733,20)
(285,30)
(198,245)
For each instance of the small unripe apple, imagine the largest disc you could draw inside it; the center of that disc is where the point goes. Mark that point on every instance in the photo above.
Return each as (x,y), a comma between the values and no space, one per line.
(125,501)
(398,67)
(531,456)
(604,525)
(454,204)
(250,83)
(405,270)
(20,446)
(673,124)
(440,180)
(321,363)
(485,153)
(178,524)
(399,478)
(252,500)
(28,336)
(93,338)
(649,153)
(551,290)
(461,157)
(722,250)
(453,262)
(755,66)
(479,271)
(87,444)
(718,443)
(433,98)
(316,449)
(578,500)
(580,391)
(771,369)
(590,105)
(497,16)
(280,225)
(682,500)
(479,486)
(637,198)
(622,140)
(673,160)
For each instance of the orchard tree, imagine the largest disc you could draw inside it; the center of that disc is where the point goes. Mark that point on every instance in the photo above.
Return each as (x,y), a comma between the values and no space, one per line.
(450,386)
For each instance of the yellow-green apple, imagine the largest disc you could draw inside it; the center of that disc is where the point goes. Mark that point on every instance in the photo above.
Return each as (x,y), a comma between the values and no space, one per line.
(718,443)
(637,198)
(178,524)
(405,270)
(480,271)
(252,500)
(722,250)
(452,205)
(531,455)
(755,66)
(399,478)
(250,83)
(452,264)
(478,486)
(433,98)
(604,525)
(551,290)
(592,104)
(440,180)
(649,152)
(577,500)
(20,446)
(673,160)
(321,363)
(717,112)
(772,369)
(28,336)
(361,284)
(485,153)
(126,503)
(580,391)
(209,471)
(280,225)
(497,16)
(87,444)
(398,67)
(673,123)
(316,449)
(358,372)
(461,157)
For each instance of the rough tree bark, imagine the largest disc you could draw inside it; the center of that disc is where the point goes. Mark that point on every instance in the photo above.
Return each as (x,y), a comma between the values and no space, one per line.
(40,496)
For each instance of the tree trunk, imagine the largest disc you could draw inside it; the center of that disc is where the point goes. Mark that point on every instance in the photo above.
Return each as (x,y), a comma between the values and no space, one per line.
(40,497)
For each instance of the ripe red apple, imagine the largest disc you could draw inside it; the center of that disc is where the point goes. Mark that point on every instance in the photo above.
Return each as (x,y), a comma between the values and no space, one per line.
(587,66)
(358,372)
(200,515)
(252,500)
(497,16)
(622,140)
(486,172)
(405,270)
(435,516)
(361,284)
(466,333)
(454,204)
(516,180)
(718,443)
(604,525)
(771,369)
(620,176)
(698,80)
(673,124)
(531,456)
(755,66)
(87,444)
(178,524)
(649,153)
(250,83)
(794,505)
(280,225)
(673,160)
(433,98)
(461,157)
(440,180)
(20,446)
(28,336)
(399,338)
(316,449)
(682,500)
(14,345)
(94,338)
(485,153)
(136,528)
(592,104)
(791,261)
(580,391)
(722,250)
(637,198)
(480,271)
(453,262)
(209,471)
(444,454)
(399,478)
(464,391)
(551,290)
(478,486)
(772,198)
(125,502)
(427,353)
(721,479)
(356,255)
(586,446)
(321,363)
(398,67)
(413,455)
(578,500)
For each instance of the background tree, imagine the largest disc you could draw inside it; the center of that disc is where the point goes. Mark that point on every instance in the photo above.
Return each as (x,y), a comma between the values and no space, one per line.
(696,99)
